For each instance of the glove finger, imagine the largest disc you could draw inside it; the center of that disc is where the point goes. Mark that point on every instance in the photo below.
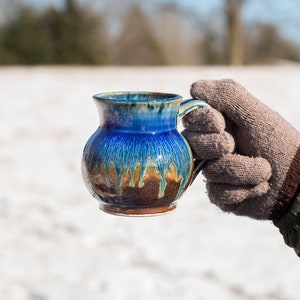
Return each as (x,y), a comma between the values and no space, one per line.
(211,145)
(237,169)
(225,195)
(233,99)
(204,120)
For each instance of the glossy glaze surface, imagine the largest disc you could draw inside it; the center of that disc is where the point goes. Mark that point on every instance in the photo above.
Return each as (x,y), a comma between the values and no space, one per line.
(137,163)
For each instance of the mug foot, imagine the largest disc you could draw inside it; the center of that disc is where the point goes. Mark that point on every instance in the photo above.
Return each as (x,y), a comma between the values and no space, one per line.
(137,211)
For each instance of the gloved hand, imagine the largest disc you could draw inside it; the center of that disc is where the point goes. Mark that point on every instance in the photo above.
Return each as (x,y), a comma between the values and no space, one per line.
(253,166)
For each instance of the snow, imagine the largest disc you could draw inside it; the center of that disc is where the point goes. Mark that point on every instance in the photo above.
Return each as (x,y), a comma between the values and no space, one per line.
(56,244)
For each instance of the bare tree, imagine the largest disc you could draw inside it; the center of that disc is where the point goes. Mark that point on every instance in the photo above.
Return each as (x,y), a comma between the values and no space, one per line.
(265,44)
(234,30)
(175,32)
(137,44)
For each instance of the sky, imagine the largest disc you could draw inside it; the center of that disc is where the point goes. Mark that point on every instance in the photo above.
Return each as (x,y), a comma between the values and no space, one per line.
(285,14)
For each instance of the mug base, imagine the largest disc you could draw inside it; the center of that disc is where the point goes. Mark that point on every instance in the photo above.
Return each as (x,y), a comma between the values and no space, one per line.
(137,211)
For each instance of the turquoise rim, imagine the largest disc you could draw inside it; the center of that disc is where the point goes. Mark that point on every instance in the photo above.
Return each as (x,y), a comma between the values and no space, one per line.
(137,97)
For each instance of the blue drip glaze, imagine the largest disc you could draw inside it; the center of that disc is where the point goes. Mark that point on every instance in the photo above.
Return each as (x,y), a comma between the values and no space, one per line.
(126,151)
(139,130)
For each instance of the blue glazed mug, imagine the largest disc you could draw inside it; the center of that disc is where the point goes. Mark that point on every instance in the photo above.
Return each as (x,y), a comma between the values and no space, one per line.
(137,163)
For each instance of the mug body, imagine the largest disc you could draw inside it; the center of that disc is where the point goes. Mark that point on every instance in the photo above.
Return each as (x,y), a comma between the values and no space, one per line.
(137,163)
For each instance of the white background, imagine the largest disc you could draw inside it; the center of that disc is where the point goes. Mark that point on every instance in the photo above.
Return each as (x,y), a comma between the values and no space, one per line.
(56,244)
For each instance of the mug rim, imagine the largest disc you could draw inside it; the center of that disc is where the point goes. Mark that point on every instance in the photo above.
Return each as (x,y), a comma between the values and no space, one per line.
(149,97)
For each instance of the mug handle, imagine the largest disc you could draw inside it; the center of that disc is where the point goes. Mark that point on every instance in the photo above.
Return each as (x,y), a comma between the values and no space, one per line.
(187,106)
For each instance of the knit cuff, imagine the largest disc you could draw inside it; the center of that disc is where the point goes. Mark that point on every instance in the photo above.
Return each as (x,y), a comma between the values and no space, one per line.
(289,226)
(289,189)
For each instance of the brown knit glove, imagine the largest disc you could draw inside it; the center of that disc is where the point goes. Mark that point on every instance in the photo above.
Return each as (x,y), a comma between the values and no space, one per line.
(253,167)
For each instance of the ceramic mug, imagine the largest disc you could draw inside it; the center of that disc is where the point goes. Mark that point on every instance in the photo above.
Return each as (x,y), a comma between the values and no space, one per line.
(137,163)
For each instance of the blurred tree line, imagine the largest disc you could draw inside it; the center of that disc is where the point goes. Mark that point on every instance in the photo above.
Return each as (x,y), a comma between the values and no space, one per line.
(164,35)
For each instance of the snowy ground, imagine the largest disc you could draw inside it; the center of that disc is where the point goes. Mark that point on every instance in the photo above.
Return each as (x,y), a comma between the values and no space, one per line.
(54,242)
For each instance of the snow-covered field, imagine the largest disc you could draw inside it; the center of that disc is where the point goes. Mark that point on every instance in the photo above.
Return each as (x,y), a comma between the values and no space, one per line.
(56,244)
